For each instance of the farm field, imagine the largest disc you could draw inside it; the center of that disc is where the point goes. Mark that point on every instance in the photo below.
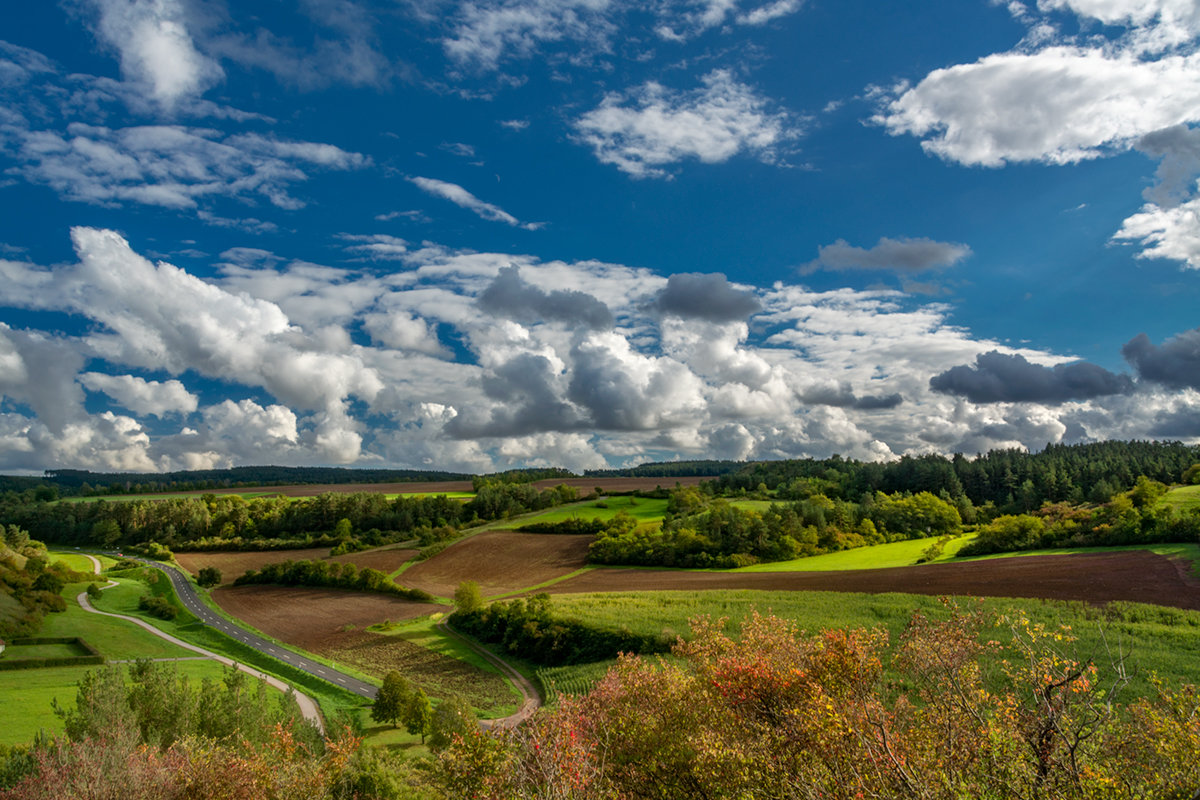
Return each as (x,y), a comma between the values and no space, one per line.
(1132,575)
(893,554)
(500,562)
(640,508)
(333,624)
(1154,639)
(234,563)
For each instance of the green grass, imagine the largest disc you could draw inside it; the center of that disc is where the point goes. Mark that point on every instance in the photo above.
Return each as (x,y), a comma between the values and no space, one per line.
(26,696)
(425,634)
(448,495)
(1182,498)
(1158,639)
(21,652)
(640,508)
(559,681)
(115,639)
(754,505)
(893,554)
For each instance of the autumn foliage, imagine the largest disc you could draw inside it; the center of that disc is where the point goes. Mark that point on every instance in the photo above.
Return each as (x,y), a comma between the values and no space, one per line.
(944,712)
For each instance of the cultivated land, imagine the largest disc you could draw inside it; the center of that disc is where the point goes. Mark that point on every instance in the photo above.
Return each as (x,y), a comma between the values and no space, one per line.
(1131,575)
(234,564)
(501,562)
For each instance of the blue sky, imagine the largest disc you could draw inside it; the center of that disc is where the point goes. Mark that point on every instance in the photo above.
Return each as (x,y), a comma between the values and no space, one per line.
(588,233)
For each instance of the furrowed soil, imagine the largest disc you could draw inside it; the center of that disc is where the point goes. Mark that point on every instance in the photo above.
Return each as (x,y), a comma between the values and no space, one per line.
(234,564)
(331,622)
(500,562)
(1133,575)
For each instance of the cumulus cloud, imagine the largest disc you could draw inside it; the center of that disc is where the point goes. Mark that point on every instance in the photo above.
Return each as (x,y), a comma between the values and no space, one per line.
(488,31)
(1060,105)
(1002,378)
(709,297)
(157,398)
(155,47)
(1175,363)
(464,199)
(841,395)
(642,131)
(899,255)
(1171,233)
(510,296)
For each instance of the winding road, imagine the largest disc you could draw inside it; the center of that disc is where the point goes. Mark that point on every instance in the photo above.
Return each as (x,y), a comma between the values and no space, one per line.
(530,699)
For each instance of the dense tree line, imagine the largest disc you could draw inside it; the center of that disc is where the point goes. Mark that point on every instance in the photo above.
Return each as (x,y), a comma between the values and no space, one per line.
(1013,481)
(670,469)
(212,519)
(1133,517)
(331,574)
(527,629)
(77,481)
(704,532)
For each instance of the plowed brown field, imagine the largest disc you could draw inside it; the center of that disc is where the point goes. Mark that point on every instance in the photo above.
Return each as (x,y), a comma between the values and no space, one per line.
(314,618)
(500,562)
(234,564)
(1135,575)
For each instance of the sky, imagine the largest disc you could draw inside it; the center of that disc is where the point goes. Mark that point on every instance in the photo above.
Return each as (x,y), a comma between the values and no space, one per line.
(490,234)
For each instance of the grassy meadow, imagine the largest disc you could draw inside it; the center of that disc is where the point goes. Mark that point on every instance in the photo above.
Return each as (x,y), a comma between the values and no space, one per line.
(1154,639)
(642,509)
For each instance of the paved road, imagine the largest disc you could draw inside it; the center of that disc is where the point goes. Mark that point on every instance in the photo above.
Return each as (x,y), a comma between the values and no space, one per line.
(191,601)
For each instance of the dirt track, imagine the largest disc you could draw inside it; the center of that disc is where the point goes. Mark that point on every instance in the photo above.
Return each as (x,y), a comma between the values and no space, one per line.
(500,562)
(1136,575)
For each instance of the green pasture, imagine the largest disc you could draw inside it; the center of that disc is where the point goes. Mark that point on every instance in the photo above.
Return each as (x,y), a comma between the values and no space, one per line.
(754,505)
(1153,639)
(643,509)
(448,495)
(893,554)
(1182,498)
(27,695)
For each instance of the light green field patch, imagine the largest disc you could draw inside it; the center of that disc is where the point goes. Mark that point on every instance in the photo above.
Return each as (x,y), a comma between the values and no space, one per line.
(76,561)
(893,554)
(114,638)
(448,495)
(26,696)
(642,509)
(754,505)
(1182,498)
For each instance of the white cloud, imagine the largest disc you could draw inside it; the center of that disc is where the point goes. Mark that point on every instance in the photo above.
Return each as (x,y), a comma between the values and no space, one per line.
(170,166)
(654,126)
(1058,105)
(158,398)
(487,32)
(155,47)
(1172,233)
(464,199)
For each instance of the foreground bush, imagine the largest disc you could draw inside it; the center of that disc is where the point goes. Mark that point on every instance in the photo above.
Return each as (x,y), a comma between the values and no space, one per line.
(783,714)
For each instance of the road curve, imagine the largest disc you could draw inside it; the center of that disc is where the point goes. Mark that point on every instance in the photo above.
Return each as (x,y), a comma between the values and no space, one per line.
(308,706)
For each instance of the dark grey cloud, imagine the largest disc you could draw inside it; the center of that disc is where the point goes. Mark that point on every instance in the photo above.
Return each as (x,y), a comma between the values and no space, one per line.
(1179,148)
(1183,423)
(527,402)
(707,296)
(511,297)
(1175,363)
(1000,378)
(897,255)
(842,396)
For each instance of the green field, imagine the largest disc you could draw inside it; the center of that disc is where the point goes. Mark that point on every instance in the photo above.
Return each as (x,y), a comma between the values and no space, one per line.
(640,508)
(26,695)
(1183,498)
(893,554)
(1155,639)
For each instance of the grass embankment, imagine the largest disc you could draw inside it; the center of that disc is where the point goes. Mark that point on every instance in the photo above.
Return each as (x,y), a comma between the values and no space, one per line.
(1155,639)
(893,554)
(1182,498)
(642,509)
